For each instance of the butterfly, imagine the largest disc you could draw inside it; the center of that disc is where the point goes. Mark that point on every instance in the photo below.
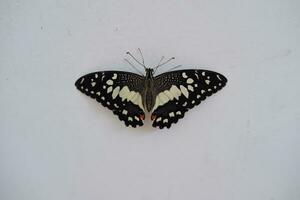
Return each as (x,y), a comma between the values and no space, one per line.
(167,96)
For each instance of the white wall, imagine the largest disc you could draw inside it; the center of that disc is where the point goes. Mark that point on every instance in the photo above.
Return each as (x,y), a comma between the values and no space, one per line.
(242,143)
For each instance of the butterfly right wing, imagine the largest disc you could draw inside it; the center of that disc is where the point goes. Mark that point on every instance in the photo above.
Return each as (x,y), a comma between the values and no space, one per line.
(179,91)
(121,92)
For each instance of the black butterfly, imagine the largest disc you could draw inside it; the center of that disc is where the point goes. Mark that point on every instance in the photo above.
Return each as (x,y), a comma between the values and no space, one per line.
(168,96)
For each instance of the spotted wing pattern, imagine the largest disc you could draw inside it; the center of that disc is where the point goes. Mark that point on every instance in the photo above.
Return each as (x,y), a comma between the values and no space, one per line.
(121,92)
(179,91)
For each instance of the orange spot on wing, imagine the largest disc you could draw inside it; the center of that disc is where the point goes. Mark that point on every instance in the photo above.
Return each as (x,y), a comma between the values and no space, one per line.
(142,117)
(153,117)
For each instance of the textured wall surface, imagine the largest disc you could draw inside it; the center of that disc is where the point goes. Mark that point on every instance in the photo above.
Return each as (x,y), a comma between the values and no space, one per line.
(241,143)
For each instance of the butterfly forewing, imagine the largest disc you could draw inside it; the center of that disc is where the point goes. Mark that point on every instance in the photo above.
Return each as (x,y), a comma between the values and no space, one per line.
(119,91)
(179,91)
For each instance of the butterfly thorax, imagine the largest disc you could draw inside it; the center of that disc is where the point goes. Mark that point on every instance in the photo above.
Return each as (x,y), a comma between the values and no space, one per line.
(149,96)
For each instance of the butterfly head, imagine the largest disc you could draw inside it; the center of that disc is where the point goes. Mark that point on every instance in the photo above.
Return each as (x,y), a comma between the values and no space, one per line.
(149,73)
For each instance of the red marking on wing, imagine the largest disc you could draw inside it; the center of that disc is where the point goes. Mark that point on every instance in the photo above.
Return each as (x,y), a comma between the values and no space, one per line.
(142,117)
(153,117)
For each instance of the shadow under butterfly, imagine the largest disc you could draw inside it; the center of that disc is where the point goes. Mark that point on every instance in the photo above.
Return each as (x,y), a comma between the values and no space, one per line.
(167,96)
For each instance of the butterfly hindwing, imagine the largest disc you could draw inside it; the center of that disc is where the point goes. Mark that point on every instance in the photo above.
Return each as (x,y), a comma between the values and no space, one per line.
(179,91)
(121,92)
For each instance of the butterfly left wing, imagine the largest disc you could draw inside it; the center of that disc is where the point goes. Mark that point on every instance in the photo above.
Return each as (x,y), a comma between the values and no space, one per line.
(121,92)
(179,91)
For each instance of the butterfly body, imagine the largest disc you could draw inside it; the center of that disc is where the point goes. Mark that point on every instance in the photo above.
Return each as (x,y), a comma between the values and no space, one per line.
(167,96)
(149,92)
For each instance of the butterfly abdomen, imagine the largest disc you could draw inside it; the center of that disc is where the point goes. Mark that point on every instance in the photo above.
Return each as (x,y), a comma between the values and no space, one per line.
(149,97)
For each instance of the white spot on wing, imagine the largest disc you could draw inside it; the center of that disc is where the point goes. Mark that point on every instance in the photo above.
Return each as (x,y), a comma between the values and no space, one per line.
(175,91)
(124,112)
(171,114)
(178,113)
(160,100)
(98,93)
(158,119)
(169,94)
(165,121)
(109,89)
(184,91)
(135,98)
(166,96)
(203,73)
(132,96)
(115,92)
(130,119)
(190,88)
(93,84)
(219,77)
(196,73)
(114,76)
(163,98)
(109,82)
(81,80)
(207,81)
(184,75)
(124,93)
(189,81)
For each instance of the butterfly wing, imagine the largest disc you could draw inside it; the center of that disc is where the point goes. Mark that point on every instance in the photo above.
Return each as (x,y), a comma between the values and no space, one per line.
(179,91)
(121,92)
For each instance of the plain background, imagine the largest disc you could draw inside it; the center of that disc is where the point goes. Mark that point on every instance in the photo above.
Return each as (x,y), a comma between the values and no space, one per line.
(241,143)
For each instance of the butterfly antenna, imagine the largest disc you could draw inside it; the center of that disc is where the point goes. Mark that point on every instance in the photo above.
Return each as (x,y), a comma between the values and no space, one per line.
(142,56)
(162,58)
(135,59)
(164,63)
(155,68)
(174,68)
(133,66)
